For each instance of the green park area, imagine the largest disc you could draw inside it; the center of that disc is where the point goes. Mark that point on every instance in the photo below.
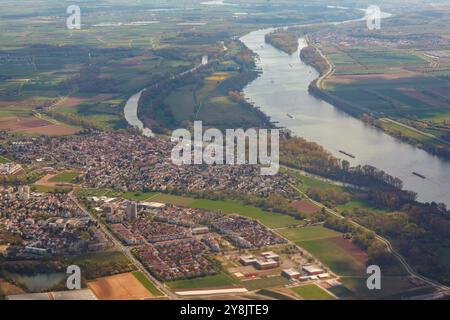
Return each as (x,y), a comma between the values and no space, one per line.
(312,292)
(65,177)
(3,160)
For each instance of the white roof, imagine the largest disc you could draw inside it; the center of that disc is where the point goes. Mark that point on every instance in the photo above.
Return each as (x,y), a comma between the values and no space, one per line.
(85,294)
(30,296)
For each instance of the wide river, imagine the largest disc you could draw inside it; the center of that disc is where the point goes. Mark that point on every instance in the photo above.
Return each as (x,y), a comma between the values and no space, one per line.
(283,89)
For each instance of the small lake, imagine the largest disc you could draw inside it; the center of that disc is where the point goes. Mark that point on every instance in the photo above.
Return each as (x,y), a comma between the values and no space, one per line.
(42,281)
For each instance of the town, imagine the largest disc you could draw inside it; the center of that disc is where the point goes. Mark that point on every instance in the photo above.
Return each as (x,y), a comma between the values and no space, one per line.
(130,162)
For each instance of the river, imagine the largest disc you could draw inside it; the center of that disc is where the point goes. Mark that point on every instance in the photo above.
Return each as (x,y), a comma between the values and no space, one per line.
(282,89)
(131,114)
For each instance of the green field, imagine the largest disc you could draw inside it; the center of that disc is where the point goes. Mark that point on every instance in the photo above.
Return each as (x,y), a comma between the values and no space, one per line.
(134,196)
(305,182)
(182,103)
(316,240)
(65,177)
(46,189)
(390,286)
(359,204)
(309,233)
(390,126)
(175,200)
(101,264)
(147,284)
(337,259)
(274,294)
(268,282)
(270,219)
(218,280)
(312,292)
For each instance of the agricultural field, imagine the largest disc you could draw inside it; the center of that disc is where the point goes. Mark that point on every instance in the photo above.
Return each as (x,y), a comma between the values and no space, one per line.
(392,288)
(309,233)
(65,177)
(35,126)
(102,264)
(214,281)
(124,286)
(267,282)
(136,196)
(270,219)
(329,247)
(82,78)
(394,75)
(4,160)
(146,283)
(305,207)
(312,292)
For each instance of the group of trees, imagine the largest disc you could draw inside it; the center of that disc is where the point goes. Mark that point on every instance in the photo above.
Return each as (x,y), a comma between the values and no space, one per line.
(283,40)
(312,57)
(21,179)
(391,199)
(419,231)
(376,250)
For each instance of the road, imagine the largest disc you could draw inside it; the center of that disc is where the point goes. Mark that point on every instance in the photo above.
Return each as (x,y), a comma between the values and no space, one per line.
(126,250)
(329,72)
(390,248)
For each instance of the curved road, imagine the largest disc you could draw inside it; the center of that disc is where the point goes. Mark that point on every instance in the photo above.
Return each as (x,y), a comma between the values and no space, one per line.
(391,249)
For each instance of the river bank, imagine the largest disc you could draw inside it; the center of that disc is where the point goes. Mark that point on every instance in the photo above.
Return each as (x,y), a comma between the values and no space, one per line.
(283,88)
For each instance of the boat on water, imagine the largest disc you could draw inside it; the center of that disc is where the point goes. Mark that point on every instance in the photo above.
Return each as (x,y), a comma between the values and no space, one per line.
(347,154)
(290,115)
(419,175)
